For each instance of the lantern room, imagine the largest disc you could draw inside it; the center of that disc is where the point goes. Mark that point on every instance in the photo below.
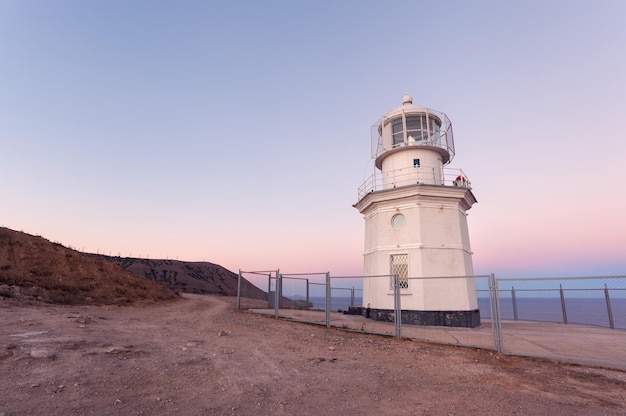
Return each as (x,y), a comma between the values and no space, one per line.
(412,125)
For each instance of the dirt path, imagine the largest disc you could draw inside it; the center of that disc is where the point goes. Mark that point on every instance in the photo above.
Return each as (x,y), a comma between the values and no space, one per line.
(201,357)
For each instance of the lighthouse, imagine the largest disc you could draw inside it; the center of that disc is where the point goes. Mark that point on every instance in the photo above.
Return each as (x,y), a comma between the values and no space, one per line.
(415,211)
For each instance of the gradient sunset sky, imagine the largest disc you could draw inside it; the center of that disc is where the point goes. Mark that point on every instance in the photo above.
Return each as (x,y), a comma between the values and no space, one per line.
(238,132)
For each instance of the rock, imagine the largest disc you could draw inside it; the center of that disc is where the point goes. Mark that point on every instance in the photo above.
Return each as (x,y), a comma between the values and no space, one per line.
(222,333)
(54,389)
(117,350)
(42,353)
(9,291)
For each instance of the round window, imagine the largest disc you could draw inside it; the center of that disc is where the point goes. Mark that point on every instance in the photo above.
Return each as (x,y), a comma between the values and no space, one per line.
(398,221)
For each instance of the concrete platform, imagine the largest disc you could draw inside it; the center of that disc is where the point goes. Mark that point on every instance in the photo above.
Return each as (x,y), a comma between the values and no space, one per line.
(575,343)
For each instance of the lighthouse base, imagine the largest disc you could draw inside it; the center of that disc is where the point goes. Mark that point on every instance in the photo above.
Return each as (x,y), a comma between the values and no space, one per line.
(459,319)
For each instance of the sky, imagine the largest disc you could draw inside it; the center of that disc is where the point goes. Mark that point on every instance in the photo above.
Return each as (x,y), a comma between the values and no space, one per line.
(239,132)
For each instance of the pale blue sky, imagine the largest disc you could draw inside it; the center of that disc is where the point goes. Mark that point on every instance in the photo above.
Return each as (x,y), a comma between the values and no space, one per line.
(238,132)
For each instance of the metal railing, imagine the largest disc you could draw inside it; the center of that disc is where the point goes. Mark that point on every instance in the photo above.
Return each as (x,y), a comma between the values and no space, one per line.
(581,320)
(449,177)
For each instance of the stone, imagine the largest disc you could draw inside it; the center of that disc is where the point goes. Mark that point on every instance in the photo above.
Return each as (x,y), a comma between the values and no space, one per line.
(117,350)
(42,353)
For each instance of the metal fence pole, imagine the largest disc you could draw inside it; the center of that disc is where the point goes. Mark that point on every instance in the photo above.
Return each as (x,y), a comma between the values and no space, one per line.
(307,291)
(494,305)
(608,306)
(239,290)
(514,300)
(327,299)
(397,307)
(269,290)
(277,293)
(280,288)
(563,303)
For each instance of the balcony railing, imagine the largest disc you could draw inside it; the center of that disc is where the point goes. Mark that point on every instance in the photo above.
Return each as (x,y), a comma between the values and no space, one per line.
(408,177)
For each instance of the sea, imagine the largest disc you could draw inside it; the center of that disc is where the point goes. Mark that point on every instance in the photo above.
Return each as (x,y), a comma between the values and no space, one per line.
(586,311)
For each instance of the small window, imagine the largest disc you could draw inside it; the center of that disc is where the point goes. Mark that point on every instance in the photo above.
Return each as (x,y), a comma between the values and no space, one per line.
(398,221)
(399,265)
(416,163)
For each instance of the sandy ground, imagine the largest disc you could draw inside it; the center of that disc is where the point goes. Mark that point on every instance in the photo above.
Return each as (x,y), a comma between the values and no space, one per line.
(200,356)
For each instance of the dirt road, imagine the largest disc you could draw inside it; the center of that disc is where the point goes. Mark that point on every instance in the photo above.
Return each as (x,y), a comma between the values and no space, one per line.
(199,356)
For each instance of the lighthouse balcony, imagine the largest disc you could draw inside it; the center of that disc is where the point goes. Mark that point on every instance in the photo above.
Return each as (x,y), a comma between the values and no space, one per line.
(380,181)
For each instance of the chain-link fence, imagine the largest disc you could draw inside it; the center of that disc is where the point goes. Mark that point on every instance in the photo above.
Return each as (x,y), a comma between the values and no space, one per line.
(580,319)
(573,319)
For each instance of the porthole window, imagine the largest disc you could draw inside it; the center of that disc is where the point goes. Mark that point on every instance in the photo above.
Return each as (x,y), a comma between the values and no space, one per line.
(398,221)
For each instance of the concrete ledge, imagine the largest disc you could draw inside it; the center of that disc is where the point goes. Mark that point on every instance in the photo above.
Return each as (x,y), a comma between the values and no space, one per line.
(462,319)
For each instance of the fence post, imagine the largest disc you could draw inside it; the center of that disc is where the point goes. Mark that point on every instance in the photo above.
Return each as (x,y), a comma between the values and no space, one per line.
(494,304)
(514,300)
(239,290)
(608,306)
(563,303)
(397,308)
(352,297)
(327,299)
(269,290)
(307,291)
(277,293)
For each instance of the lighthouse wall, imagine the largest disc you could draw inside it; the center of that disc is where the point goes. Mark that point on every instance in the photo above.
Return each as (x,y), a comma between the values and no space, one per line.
(411,166)
(435,240)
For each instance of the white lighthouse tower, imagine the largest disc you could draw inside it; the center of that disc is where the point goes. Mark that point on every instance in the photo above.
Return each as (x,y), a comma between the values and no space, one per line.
(415,222)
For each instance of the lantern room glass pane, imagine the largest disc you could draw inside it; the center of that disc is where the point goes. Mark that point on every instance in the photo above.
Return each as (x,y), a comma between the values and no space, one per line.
(397,132)
(420,129)
(416,127)
(434,132)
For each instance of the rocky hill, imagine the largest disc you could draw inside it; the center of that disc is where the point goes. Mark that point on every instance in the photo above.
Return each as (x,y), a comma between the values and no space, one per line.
(33,268)
(190,277)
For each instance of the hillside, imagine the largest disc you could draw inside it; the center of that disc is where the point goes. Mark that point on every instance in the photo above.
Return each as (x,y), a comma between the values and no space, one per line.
(33,268)
(198,278)
(190,277)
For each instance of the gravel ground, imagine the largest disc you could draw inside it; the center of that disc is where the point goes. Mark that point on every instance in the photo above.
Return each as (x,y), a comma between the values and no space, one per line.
(199,356)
